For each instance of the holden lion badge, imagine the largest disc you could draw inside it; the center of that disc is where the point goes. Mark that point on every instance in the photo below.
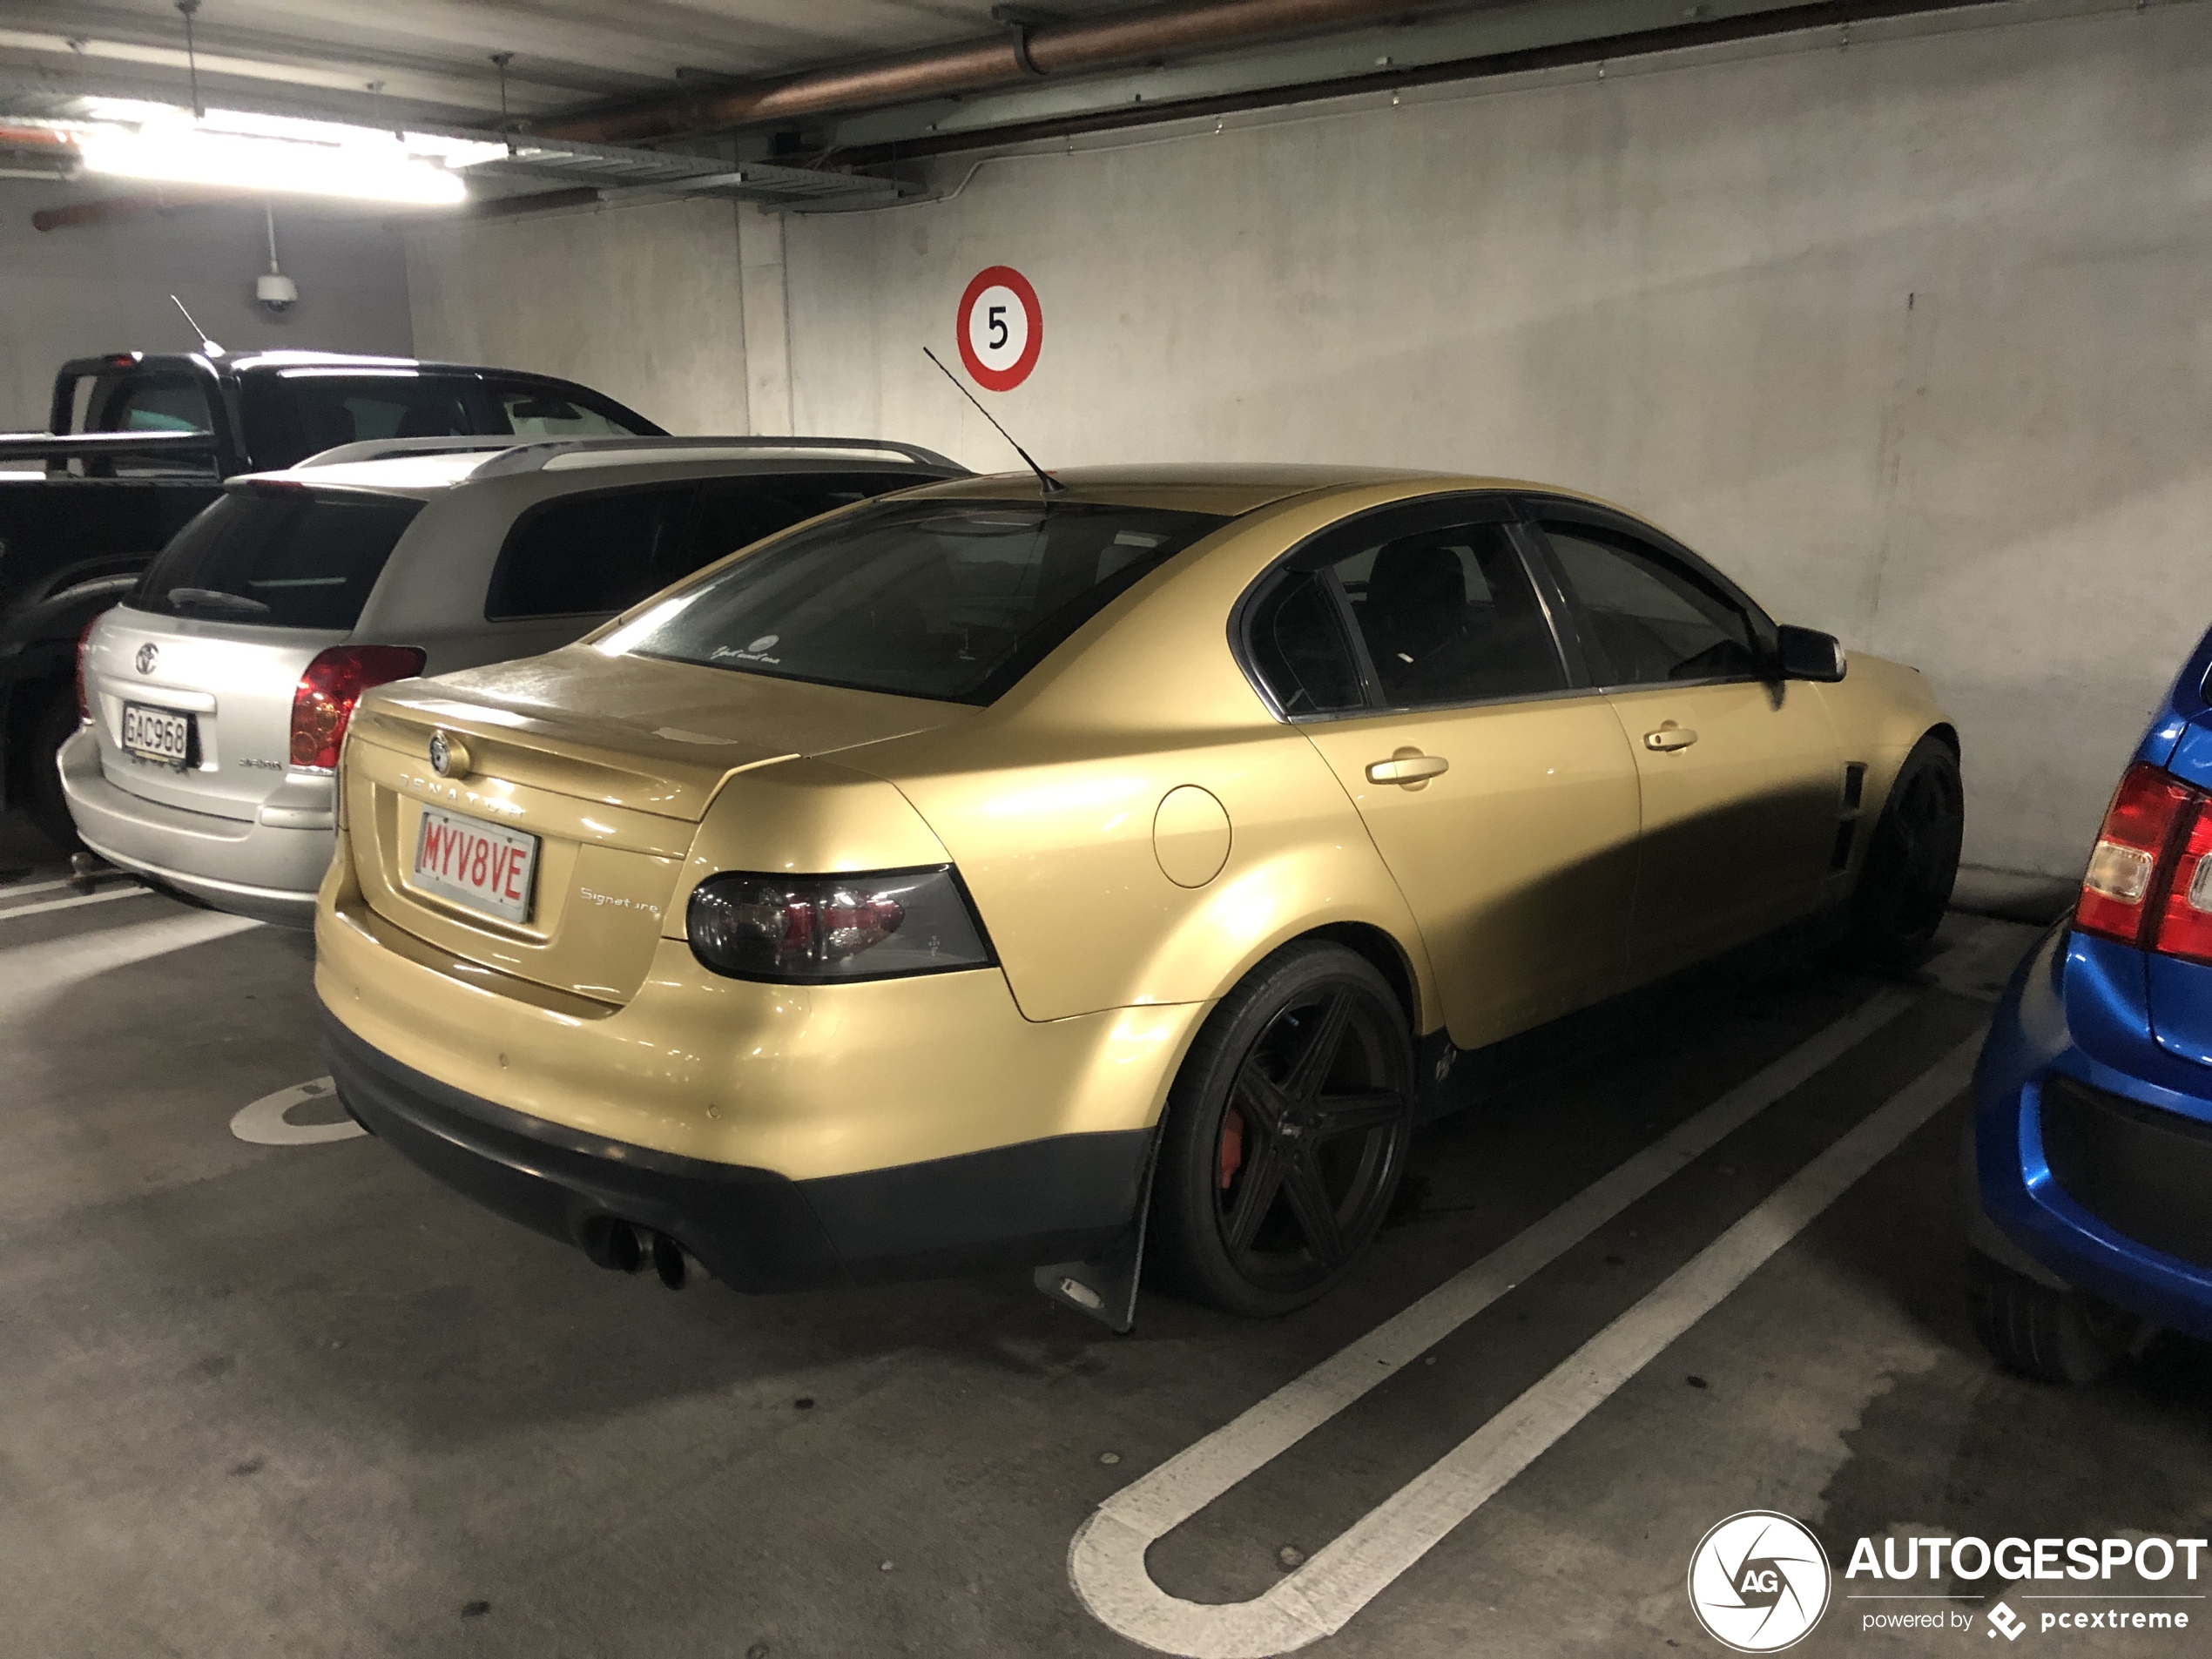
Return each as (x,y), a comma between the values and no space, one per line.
(448,758)
(1758,1582)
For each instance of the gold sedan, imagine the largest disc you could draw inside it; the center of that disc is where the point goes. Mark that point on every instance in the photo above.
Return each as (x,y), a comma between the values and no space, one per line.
(964,877)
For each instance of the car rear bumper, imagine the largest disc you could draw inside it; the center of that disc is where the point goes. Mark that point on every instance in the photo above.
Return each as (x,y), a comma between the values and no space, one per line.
(1051,1200)
(2085,1134)
(267,872)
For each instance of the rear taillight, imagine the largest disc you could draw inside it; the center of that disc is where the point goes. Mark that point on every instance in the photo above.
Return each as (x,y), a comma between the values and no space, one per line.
(2149,883)
(333,684)
(84,639)
(2185,919)
(812,928)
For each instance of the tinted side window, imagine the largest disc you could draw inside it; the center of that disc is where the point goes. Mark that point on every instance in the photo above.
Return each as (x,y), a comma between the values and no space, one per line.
(1298,648)
(291,417)
(277,559)
(591,554)
(537,412)
(1649,619)
(1450,616)
(156,403)
(737,512)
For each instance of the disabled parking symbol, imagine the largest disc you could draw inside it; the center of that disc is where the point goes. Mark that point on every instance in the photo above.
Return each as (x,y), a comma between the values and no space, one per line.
(267,1121)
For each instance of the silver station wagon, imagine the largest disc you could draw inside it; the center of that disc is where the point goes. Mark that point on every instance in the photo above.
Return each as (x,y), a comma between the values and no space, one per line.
(216,696)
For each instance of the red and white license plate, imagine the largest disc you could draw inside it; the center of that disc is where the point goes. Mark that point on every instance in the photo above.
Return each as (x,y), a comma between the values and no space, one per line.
(486,867)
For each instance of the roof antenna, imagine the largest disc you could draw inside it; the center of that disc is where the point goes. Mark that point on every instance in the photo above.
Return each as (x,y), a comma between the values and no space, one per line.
(191,58)
(207,346)
(500,60)
(1051,485)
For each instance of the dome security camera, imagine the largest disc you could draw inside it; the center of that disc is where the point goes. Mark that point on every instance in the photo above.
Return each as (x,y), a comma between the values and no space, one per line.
(276,292)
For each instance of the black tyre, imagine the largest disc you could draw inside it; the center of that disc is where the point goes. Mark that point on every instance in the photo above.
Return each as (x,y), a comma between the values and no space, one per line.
(50,726)
(1913,860)
(1286,1133)
(2059,1336)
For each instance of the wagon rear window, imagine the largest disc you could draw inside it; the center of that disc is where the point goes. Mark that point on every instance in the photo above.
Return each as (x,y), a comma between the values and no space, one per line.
(949,600)
(284,557)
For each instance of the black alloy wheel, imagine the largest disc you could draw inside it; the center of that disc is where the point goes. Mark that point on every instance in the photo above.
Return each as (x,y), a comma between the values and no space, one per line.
(1912,861)
(1286,1136)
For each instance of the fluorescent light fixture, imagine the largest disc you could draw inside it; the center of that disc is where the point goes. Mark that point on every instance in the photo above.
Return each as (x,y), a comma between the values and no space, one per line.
(235,149)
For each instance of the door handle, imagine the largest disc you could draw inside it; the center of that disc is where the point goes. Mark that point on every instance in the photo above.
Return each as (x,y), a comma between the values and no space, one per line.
(1408,766)
(1670,737)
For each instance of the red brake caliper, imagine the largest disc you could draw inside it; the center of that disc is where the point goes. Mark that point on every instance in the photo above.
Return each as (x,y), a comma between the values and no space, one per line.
(1233,1145)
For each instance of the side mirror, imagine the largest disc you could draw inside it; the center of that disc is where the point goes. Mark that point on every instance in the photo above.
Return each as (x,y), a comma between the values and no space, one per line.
(1808,654)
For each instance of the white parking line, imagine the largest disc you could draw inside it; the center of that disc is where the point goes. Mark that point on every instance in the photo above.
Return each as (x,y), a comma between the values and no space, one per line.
(71,904)
(36,887)
(38,974)
(1106,1557)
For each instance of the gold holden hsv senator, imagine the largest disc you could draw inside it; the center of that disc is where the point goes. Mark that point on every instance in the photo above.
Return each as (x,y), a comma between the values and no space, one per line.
(953,880)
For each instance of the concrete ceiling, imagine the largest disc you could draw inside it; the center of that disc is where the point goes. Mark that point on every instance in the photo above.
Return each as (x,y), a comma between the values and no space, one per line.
(811,93)
(434,57)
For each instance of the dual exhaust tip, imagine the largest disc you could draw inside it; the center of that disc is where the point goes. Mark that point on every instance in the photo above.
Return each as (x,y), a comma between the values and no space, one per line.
(624,1247)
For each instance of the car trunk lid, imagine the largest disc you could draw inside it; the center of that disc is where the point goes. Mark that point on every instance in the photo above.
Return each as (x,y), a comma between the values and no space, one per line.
(609,762)
(234,686)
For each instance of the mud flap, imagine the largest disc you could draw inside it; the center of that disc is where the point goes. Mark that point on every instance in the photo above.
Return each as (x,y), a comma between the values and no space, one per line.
(1433,1058)
(1105,1285)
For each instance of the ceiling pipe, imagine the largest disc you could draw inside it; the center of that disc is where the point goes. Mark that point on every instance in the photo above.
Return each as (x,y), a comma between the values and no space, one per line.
(1741,26)
(15,138)
(109,209)
(1021,56)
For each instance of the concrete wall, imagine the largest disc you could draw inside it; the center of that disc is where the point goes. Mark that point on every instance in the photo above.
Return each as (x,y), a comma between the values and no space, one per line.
(1913,337)
(74,293)
(642,303)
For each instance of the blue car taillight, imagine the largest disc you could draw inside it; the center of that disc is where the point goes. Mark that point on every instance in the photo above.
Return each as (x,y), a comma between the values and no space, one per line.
(2149,880)
(816,929)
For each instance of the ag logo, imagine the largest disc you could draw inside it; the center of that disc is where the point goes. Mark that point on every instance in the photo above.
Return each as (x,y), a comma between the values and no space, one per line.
(1758,1582)
(147,657)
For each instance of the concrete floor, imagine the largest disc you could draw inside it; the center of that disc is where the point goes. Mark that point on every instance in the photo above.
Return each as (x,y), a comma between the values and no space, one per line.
(300,1400)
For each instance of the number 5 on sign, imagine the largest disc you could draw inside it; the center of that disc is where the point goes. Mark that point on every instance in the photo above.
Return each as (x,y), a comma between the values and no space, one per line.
(1000,327)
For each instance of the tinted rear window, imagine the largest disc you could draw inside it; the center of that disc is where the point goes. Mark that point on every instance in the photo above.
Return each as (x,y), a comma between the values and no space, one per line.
(949,600)
(602,552)
(277,559)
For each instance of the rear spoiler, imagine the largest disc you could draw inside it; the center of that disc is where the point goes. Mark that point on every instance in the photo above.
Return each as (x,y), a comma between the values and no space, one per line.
(107,446)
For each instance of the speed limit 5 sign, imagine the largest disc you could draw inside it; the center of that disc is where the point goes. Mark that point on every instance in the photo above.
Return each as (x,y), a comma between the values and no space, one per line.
(1001,328)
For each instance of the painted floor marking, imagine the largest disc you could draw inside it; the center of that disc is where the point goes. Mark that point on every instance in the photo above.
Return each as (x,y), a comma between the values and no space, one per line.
(264,1121)
(1107,1577)
(1192,1479)
(29,887)
(38,974)
(71,904)
(1106,1557)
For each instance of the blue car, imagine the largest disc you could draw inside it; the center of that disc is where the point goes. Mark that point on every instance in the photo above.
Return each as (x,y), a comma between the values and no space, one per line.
(2090,1148)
